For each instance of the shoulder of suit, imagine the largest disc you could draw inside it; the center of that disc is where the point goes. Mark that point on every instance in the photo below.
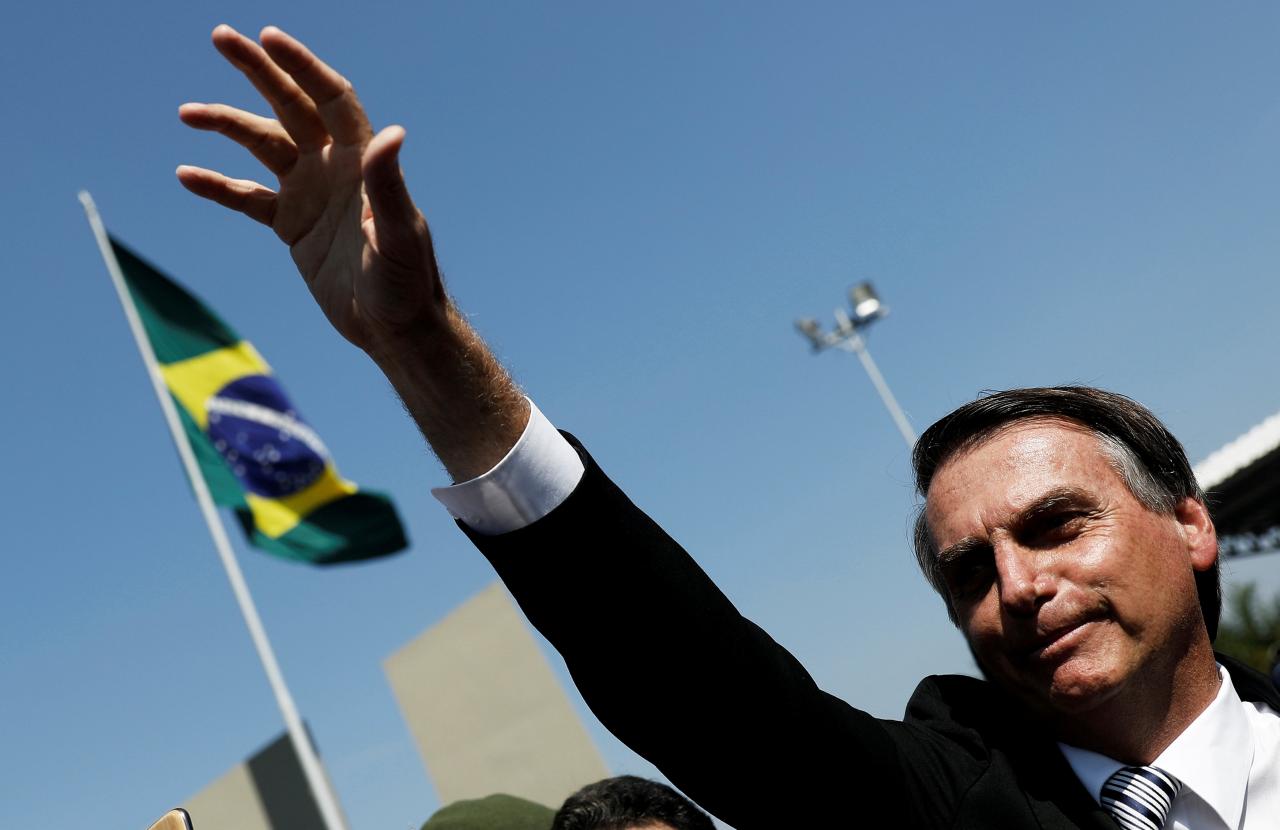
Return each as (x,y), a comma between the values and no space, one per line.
(1250,684)
(969,711)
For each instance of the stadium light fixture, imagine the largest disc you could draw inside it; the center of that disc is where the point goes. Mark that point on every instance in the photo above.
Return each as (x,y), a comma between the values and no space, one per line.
(866,308)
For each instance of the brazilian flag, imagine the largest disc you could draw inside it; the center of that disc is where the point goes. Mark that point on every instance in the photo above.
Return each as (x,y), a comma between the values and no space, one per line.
(258,456)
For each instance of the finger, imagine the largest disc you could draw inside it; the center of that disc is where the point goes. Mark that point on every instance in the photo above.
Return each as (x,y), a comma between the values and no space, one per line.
(296,111)
(396,221)
(334,98)
(264,137)
(247,197)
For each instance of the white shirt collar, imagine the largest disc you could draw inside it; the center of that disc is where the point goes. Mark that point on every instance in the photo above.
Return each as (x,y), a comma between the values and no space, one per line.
(1211,757)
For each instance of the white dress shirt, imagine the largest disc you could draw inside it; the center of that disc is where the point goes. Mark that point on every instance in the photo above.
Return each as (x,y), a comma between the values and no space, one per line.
(538,473)
(1228,759)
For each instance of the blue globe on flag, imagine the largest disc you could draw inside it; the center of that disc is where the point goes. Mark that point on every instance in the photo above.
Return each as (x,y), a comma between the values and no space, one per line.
(271,451)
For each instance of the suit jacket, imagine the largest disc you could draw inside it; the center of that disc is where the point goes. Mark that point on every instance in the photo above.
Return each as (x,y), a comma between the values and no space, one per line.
(673,670)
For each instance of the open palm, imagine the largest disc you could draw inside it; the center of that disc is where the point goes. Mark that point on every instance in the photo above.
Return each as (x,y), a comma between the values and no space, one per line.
(341,204)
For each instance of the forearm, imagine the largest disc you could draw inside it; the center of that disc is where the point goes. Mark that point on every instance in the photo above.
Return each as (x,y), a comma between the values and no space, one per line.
(671,668)
(463,401)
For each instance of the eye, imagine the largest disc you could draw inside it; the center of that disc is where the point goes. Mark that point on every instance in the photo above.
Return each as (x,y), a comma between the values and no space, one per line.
(969,573)
(1054,528)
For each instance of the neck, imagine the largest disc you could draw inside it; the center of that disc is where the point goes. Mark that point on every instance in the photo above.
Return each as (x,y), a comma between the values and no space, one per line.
(1136,724)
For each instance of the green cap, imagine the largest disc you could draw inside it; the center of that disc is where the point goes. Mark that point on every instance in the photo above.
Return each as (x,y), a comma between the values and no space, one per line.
(493,812)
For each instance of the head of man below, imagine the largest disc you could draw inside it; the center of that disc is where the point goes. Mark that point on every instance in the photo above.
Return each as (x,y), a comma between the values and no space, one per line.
(627,802)
(1065,530)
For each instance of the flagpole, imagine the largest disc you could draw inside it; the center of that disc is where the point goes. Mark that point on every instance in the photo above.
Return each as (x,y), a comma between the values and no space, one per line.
(319,785)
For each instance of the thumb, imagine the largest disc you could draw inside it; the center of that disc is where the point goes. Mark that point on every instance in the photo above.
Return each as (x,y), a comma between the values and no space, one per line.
(396,220)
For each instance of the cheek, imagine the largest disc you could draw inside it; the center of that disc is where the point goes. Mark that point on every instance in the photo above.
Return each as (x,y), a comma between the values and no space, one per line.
(986,645)
(981,625)
(1088,570)
(1094,565)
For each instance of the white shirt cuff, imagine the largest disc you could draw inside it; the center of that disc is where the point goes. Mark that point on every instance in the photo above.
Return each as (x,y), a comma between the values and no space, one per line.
(538,474)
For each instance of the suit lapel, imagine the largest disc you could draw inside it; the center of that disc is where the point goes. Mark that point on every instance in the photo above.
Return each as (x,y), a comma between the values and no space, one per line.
(1057,798)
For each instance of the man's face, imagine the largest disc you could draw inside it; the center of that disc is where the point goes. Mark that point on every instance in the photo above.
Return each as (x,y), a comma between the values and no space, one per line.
(1068,589)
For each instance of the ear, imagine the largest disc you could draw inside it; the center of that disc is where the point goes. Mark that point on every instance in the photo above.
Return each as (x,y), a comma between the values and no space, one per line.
(1197,528)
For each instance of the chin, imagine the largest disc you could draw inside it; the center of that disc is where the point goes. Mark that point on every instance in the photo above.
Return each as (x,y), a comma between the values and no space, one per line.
(1075,686)
(1069,688)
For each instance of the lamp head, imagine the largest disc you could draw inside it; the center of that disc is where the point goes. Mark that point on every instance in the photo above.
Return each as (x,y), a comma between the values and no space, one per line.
(809,328)
(864,301)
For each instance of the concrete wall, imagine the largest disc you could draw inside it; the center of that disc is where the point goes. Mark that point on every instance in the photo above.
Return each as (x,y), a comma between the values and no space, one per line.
(267,792)
(486,711)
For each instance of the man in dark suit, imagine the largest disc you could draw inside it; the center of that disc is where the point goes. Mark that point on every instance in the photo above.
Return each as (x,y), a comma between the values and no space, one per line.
(1062,527)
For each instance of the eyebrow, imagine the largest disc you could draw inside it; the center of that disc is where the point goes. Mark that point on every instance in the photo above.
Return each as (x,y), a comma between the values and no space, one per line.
(1048,504)
(954,553)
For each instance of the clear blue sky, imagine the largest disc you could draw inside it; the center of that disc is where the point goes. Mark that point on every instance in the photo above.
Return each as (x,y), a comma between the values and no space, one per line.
(633,202)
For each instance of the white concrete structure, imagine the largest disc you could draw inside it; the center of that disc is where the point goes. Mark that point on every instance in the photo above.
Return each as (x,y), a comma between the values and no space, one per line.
(266,792)
(486,711)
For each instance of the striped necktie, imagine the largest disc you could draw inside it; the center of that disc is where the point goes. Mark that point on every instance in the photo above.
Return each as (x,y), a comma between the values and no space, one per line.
(1139,798)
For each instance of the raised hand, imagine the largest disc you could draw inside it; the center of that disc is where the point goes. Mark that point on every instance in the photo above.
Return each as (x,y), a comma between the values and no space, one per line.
(359,242)
(341,204)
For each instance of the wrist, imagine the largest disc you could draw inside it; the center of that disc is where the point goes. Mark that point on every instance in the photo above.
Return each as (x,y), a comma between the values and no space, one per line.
(426,341)
(465,404)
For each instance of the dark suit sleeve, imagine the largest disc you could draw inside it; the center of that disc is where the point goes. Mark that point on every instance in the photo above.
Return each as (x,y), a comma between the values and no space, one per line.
(674,671)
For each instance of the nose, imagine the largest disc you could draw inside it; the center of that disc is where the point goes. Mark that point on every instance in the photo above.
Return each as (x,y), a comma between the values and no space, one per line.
(1023,577)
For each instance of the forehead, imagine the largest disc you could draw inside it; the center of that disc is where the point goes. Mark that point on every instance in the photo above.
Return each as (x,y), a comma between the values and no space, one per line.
(1013,467)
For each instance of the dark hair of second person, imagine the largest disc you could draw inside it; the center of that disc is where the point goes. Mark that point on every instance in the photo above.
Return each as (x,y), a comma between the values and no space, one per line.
(628,802)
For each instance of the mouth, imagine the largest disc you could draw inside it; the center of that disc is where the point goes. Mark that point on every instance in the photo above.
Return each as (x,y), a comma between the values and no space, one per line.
(1059,642)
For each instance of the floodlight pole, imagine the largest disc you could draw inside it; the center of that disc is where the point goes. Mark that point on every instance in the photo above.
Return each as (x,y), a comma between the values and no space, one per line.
(854,343)
(847,335)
